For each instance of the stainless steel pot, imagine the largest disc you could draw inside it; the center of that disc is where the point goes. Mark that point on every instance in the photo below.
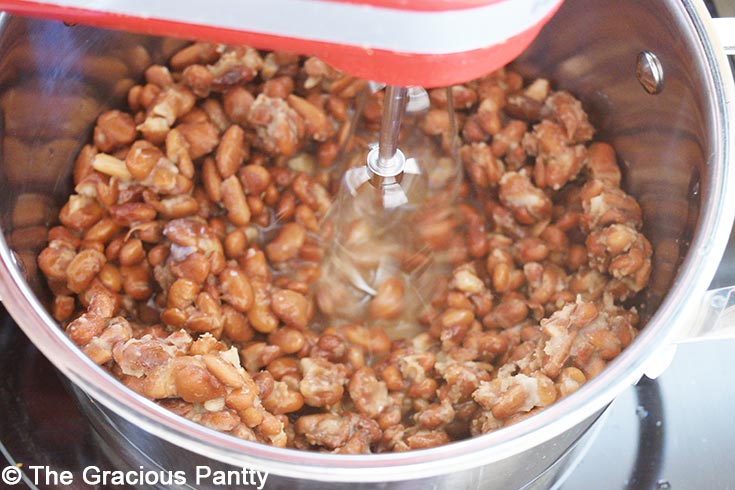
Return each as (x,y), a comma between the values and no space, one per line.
(673,133)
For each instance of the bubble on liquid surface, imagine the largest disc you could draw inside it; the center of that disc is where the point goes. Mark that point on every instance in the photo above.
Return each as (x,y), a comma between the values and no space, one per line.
(641,412)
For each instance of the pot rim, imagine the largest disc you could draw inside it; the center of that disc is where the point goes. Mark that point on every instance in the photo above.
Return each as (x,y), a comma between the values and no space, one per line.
(696,272)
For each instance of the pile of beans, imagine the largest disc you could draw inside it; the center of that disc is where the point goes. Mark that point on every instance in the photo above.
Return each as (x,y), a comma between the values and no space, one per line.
(187,260)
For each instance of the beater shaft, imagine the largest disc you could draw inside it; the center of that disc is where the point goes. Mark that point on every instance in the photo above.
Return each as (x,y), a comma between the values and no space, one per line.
(390,124)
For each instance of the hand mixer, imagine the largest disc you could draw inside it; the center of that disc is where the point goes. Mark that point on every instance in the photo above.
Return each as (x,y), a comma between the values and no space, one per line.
(394,43)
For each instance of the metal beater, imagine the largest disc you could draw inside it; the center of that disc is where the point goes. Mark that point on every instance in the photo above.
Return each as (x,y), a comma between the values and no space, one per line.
(385,162)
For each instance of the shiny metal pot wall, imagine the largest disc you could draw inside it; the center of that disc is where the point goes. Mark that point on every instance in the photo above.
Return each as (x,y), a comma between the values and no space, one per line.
(674,146)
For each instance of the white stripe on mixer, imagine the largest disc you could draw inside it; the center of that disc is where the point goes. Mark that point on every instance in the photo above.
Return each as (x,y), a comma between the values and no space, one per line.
(419,32)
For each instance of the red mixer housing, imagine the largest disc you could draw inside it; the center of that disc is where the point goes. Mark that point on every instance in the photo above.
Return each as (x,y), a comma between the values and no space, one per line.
(427,43)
